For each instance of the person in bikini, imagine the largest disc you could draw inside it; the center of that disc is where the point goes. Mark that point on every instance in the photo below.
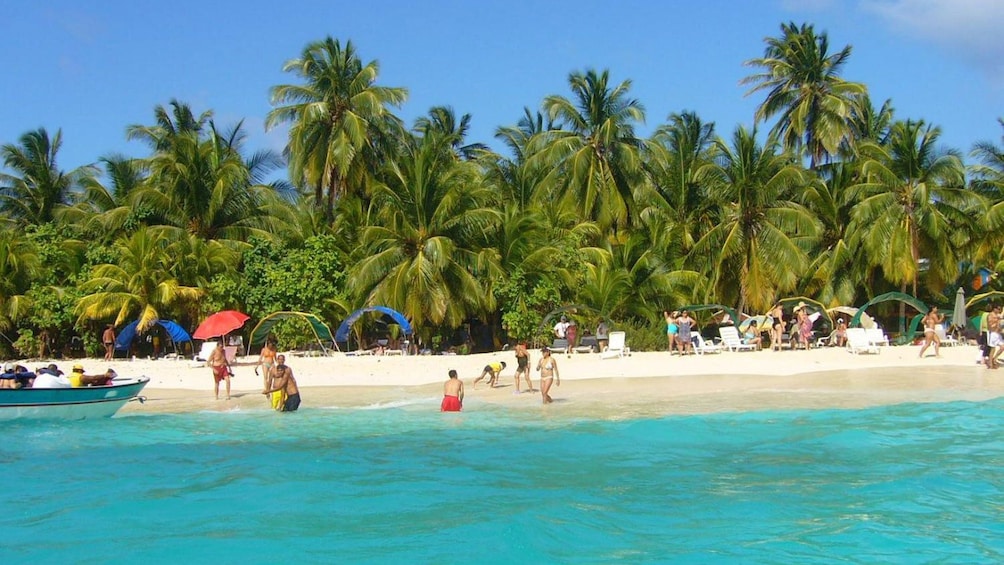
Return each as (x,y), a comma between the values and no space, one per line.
(266,361)
(523,366)
(221,368)
(548,368)
(453,393)
(284,383)
(931,320)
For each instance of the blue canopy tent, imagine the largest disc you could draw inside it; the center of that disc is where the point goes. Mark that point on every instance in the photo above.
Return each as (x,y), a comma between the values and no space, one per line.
(128,333)
(342,334)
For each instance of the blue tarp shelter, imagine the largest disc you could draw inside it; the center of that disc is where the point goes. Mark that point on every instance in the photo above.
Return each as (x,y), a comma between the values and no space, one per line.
(128,333)
(342,334)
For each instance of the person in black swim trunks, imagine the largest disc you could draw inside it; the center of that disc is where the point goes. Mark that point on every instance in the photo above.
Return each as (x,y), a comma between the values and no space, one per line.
(283,380)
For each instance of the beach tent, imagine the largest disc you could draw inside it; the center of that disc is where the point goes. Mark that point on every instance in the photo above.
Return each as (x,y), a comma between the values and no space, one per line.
(260,332)
(984,297)
(867,322)
(128,333)
(342,334)
(811,305)
(899,296)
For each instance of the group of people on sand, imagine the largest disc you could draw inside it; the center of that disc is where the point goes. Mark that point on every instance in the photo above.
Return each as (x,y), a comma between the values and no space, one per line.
(50,376)
(547,366)
(280,386)
(680,330)
(801,327)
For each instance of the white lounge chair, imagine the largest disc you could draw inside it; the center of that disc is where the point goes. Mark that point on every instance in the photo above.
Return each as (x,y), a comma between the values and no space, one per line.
(731,340)
(946,339)
(876,336)
(616,347)
(858,342)
(205,351)
(703,347)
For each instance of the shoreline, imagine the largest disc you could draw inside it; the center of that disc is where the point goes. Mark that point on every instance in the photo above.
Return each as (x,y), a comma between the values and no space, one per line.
(641,385)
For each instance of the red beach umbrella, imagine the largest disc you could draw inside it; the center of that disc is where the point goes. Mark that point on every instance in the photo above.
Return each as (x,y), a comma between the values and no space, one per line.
(220,323)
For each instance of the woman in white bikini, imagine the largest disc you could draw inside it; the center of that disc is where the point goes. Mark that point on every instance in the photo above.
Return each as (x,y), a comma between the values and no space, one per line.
(548,368)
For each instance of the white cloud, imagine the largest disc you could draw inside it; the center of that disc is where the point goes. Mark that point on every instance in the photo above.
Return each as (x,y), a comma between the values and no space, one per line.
(969,29)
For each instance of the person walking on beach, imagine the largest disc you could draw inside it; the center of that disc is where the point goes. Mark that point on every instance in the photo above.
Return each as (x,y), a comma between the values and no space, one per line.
(776,336)
(453,393)
(548,368)
(931,320)
(492,371)
(523,366)
(221,368)
(108,339)
(284,382)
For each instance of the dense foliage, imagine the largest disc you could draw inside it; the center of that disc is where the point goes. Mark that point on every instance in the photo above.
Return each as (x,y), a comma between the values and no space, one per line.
(837,200)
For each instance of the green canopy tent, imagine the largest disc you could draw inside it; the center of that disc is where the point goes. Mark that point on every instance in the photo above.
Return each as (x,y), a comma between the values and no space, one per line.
(811,304)
(321,331)
(701,307)
(901,297)
(981,298)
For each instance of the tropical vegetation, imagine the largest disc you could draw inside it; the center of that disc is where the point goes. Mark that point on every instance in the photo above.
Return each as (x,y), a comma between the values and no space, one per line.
(821,195)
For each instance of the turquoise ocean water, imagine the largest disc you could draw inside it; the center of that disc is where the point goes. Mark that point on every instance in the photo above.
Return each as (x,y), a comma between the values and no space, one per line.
(402,483)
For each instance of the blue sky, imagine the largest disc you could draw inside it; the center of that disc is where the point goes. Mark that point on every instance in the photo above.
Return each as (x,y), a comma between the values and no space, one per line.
(92,69)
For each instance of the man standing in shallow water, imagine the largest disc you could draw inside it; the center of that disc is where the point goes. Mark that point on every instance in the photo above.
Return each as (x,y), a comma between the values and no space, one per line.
(284,382)
(453,394)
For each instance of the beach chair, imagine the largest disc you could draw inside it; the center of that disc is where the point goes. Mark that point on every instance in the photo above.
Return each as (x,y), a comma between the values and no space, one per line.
(702,347)
(858,342)
(876,336)
(732,341)
(946,339)
(560,345)
(616,347)
(205,351)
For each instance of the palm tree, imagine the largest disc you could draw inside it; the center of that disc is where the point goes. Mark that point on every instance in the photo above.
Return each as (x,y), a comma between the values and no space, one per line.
(180,121)
(912,206)
(421,255)
(988,181)
(104,208)
(677,158)
(138,284)
(805,90)
(38,188)
(202,185)
(19,266)
(334,118)
(757,247)
(443,121)
(594,159)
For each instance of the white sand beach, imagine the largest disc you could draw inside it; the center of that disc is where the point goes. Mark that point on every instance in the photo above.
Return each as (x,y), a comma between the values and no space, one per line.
(642,384)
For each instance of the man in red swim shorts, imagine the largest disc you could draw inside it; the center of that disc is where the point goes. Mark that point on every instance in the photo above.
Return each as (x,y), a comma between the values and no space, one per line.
(453,394)
(221,368)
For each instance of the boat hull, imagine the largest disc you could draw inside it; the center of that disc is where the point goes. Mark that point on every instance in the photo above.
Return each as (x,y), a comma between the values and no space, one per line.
(69,403)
